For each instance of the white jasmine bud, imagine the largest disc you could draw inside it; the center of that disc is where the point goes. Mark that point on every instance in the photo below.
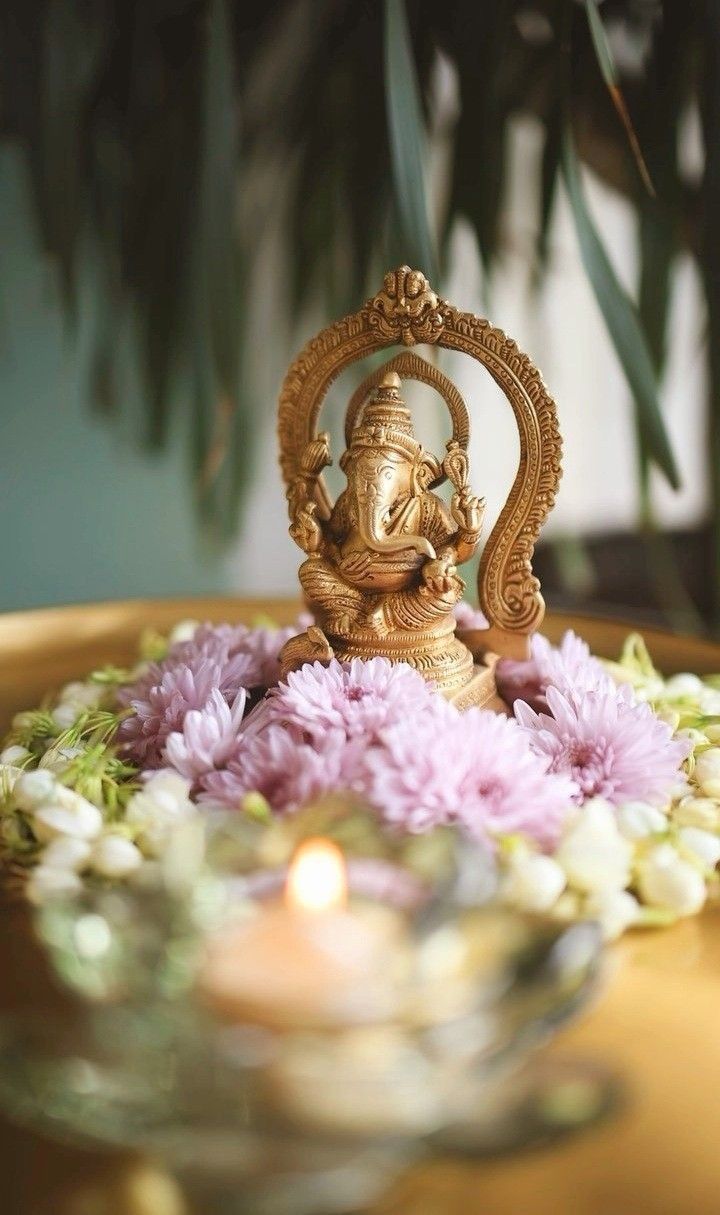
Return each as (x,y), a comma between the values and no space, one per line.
(702,844)
(665,880)
(72,691)
(593,853)
(682,686)
(34,788)
(701,812)
(696,738)
(713,732)
(115,857)
(681,788)
(68,798)
(167,781)
(707,768)
(533,883)
(158,808)
(708,764)
(636,820)
(14,755)
(709,704)
(652,687)
(82,695)
(66,852)
(66,714)
(184,631)
(45,883)
(614,910)
(67,815)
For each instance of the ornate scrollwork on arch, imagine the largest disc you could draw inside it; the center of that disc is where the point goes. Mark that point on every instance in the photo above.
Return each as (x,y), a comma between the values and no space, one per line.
(406,311)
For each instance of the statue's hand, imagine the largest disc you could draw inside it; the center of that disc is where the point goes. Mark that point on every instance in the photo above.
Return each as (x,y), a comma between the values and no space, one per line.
(468,511)
(305,529)
(316,456)
(440,576)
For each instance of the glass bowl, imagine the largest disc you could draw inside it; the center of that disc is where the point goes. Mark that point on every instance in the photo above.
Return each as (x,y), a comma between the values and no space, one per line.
(311,1115)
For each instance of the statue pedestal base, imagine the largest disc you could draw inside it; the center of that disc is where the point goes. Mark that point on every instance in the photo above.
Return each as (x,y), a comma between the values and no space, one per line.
(444,660)
(435,653)
(481,691)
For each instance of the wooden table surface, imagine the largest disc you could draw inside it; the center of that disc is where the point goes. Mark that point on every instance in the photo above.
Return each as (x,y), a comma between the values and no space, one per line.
(655,1023)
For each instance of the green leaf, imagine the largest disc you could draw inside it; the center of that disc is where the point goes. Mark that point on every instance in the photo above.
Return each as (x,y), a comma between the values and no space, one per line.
(148,168)
(549,174)
(657,254)
(610,76)
(622,321)
(407,140)
(73,40)
(656,258)
(489,56)
(659,109)
(600,42)
(218,196)
(224,431)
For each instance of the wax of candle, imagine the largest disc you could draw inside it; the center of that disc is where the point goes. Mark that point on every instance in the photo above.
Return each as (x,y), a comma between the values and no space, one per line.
(309,961)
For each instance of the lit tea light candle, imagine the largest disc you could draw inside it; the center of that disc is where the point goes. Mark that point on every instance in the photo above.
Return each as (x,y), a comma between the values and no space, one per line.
(310,960)
(378,1010)
(317,880)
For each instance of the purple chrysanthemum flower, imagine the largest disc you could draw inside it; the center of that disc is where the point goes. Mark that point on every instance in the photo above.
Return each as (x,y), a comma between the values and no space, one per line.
(570,667)
(166,693)
(309,734)
(223,658)
(208,738)
(610,744)
(411,778)
(505,787)
(474,769)
(288,771)
(359,699)
(380,731)
(261,645)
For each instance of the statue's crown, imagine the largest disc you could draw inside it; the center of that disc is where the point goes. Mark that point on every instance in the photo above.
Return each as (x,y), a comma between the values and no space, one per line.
(386,420)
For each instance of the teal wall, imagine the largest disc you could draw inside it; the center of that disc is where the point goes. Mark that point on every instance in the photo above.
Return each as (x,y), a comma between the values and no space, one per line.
(85,515)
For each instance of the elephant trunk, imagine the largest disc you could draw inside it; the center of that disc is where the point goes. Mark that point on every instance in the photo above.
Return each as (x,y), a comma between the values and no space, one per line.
(374,535)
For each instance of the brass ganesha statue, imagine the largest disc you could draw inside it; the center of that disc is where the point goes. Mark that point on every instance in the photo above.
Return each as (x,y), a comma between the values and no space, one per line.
(381,569)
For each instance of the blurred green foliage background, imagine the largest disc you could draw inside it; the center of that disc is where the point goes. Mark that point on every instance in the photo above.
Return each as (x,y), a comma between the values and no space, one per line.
(149,146)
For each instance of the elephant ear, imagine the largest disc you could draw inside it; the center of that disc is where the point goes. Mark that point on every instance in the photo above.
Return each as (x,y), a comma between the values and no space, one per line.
(429,471)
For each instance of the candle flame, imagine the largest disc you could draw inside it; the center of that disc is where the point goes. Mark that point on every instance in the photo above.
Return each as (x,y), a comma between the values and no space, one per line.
(317,880)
